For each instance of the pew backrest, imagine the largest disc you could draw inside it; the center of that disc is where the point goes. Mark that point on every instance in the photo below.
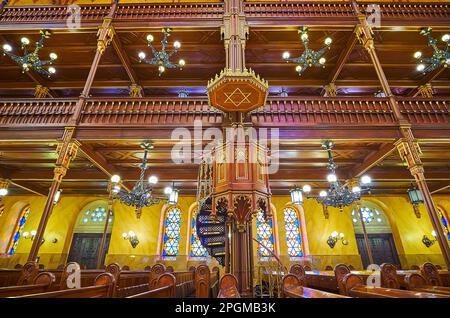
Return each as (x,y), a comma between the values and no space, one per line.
(340,270)
(156,271)
(299,271)
(104,286)
(431,274)
(388,276)
(202,281)
(29,272)
(165,287)
(414,281)
(228,287)
(42,283)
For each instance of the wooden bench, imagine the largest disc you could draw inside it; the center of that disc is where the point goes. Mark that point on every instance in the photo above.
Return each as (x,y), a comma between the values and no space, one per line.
(104,287)
(417,282)
(43,282)
(228,287)
(206,282)
(9,277)
(165,287)
(293,288)
(128,282)
(354,287)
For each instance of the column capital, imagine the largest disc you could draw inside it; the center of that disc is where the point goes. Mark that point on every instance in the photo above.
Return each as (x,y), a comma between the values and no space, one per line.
(364,33)
(410,153)
(41,91)
(426,90)
(105,35)
(135,90)
(330,90)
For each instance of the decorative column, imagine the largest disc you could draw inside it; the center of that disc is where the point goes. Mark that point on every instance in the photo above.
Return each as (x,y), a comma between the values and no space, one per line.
(66,150)
(105,229)
(104,37)
(410,153)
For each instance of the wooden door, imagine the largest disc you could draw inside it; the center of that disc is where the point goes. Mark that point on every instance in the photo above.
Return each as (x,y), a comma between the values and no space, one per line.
(85,248)
(382,246)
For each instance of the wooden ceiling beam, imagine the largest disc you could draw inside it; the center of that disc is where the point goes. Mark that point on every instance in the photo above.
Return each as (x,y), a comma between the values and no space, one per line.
(99,161)
(373,159)
(30,188)
(425,80)
(343,57)
(117,44)
(439,187)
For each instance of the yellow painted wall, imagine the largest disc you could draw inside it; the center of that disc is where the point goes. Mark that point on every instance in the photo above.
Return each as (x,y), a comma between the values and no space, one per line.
(406,228)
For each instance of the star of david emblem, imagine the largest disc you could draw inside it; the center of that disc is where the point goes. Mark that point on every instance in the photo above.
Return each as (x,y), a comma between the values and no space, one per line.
(237,97)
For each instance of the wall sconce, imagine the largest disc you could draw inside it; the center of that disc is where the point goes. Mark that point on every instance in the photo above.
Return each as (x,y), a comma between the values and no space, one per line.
(334,237)
(427,241)
(55,240)
(131,236)
(296,196)
(29,235)
(416,198)
(57,197)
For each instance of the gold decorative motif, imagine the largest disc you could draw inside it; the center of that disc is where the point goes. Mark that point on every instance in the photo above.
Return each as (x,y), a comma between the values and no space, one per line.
(105,35)
(135,91)
(410,151)
(426,90)
(364,33)
(41,91)
(330,90)
(237,97)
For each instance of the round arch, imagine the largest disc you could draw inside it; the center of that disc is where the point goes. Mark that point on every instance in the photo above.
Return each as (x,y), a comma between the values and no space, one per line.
(302,225)
(9,226)
(87,234)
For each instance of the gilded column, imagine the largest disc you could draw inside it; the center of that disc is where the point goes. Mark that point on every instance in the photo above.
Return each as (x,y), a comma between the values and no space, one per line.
(410,153)
(66,150)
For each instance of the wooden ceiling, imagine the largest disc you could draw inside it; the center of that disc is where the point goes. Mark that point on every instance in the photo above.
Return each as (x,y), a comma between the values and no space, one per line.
(30,166)
(202,48)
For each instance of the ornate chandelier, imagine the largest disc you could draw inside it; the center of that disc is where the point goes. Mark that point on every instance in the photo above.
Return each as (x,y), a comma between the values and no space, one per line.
(309,57)
(338,195)
(162,58)
(32,61)
(440,57)
(142,194)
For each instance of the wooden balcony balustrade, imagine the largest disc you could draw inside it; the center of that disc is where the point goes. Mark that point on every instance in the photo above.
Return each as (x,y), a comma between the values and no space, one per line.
(306,111)
(258,13)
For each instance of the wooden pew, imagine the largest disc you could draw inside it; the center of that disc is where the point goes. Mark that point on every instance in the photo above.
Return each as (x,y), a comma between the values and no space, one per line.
(417,282)
(228,287)
(299,271)
(206,282)
(104,287)
(42,283)
(128,282)
(156,271)
(431,274)
(293,288)
(165,287)
(185,284)
(354,287)
(87,279)
(340,270)
(9,277)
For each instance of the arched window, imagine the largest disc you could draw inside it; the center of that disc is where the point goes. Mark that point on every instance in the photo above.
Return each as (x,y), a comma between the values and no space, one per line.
(264,229)
(17,233)
(196,249)
(444,222)
(172,227)
(293,237)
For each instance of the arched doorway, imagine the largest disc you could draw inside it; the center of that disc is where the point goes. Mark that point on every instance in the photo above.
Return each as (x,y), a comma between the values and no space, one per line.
(87,235)
(379,234)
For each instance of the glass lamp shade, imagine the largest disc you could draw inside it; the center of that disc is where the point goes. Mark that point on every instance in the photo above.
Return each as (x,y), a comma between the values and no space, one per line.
(296,196)
(415,196)
(57,196)
(173,197)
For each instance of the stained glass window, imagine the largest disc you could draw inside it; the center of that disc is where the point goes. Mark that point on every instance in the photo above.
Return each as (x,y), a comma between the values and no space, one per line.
(444,221)
(18,231)
(293,238)
(264,229)
(197,249)
(172,227)
(96,215)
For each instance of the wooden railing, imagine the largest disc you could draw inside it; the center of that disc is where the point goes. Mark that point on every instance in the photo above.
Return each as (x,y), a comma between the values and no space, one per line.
(392,13)
(177,112)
